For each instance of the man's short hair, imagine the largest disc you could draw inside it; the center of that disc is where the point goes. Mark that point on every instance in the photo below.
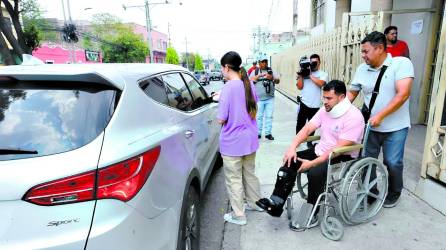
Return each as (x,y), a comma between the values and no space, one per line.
(254,63)
(315,56)
(388,29)
(336,85)
(375,38)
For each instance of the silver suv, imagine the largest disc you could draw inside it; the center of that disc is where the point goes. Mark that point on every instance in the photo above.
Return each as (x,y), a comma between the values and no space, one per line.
(103,156)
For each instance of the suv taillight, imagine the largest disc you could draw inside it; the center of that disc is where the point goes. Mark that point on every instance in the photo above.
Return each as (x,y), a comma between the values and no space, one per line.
(120,181)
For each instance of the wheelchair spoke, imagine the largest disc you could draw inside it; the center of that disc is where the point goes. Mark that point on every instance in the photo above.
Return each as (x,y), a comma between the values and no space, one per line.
(367,176)
(374,196)
(372,184)
(365,205)
(358,203)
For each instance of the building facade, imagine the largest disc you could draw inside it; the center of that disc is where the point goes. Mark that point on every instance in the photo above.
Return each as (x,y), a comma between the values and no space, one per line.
(57,54)
(159,42)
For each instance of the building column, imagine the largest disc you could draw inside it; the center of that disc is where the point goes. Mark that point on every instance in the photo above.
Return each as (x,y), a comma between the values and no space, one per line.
(341,7)
(380,5)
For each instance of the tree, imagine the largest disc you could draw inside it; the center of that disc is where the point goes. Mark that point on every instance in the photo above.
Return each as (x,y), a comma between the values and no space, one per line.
(35,25)
(119,42)
(106,25)
(190,60)
(172,56)
(198,62)
(125,47)
(22,39)
(86,43)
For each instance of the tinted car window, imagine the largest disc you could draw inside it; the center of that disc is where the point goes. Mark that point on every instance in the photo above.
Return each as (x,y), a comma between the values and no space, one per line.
(198,92)
(154,88)
(177,92)
(46,118)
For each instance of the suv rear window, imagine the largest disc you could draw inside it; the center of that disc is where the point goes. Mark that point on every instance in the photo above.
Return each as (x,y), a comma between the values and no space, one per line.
(51,117)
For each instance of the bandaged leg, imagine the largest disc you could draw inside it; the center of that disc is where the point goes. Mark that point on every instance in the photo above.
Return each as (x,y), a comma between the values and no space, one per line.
(286,177)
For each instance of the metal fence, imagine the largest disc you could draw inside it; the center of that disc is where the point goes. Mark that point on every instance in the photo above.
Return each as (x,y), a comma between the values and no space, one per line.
(339,51)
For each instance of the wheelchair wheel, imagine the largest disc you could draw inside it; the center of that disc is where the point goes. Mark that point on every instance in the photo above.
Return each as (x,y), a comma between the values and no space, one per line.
(332,228)
(302,185)
(363,191)
(289,207)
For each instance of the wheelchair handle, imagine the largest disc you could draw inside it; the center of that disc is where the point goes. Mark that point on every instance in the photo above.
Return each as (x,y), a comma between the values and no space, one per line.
(345,149)
(364,140)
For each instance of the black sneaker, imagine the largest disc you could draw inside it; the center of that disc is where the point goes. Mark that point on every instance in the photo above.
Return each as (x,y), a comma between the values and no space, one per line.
(269,137)
(391,200)
(259,136)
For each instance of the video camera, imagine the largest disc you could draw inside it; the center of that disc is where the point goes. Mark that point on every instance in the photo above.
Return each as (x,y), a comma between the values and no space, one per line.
(306,66)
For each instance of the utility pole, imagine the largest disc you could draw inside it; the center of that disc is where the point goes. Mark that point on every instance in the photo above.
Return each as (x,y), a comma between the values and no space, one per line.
(168,32)
(71,50)
(149,30)
(148,22)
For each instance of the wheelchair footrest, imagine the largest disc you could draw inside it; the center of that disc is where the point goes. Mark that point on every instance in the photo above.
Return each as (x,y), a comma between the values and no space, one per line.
(300,218)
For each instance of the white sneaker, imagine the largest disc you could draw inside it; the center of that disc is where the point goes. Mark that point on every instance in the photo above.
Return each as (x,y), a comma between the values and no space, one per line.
(255,208)
(231,218)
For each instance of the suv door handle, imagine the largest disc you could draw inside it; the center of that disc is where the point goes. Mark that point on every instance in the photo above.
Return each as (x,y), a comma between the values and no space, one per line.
(189,133)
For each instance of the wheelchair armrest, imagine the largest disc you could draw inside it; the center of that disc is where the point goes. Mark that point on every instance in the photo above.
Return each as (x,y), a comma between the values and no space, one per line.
(313,138)
(345,149)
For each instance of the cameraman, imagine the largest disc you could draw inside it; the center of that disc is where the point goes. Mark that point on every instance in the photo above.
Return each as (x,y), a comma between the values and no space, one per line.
(264,80)
(309,81)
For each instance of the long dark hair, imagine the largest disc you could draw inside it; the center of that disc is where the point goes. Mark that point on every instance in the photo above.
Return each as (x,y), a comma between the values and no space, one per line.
(233,60)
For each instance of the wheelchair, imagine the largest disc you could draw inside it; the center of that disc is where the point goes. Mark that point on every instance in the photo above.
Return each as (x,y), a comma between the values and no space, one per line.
(355,191)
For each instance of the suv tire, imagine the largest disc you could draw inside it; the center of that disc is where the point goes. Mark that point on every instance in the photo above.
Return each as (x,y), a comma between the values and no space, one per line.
(189,232)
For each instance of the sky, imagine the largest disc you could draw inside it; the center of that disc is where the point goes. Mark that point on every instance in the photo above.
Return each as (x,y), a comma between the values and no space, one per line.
(212,27)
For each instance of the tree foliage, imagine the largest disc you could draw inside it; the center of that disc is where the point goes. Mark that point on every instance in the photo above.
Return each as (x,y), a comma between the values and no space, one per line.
(125,47)
(198,62)
(119,43)
(172,56)
(86,43)
(106,25)
(190,60)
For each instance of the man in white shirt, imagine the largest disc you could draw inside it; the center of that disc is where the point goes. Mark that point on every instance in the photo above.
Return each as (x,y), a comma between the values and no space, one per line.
(309,82)
(389,117)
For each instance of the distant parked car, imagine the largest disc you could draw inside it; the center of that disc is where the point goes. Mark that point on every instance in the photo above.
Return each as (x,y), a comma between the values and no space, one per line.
(202,76)
(103,156)
(216,75)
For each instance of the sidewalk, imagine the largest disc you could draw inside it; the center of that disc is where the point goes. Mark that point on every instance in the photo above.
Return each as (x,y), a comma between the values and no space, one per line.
(412,224)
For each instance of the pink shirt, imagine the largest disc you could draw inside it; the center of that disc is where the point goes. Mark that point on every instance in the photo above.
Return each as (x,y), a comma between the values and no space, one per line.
(350,127)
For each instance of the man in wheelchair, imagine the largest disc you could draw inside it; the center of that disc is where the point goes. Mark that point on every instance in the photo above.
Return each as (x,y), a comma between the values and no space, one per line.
(341,124)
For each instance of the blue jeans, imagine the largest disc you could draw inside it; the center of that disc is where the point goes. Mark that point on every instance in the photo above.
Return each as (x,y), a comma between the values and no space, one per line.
(392,144)
(265,110)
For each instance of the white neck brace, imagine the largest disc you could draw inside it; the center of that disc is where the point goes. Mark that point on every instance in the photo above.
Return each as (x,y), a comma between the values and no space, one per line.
(339,109)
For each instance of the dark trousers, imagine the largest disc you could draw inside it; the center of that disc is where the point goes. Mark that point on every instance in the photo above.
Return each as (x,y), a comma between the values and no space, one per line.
(305,113)
(317,176)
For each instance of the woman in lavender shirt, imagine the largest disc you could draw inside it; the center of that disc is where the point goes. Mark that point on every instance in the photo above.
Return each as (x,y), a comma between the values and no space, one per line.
(238,139)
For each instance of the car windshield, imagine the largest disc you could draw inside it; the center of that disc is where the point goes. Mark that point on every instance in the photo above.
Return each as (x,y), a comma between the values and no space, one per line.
(45,118)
